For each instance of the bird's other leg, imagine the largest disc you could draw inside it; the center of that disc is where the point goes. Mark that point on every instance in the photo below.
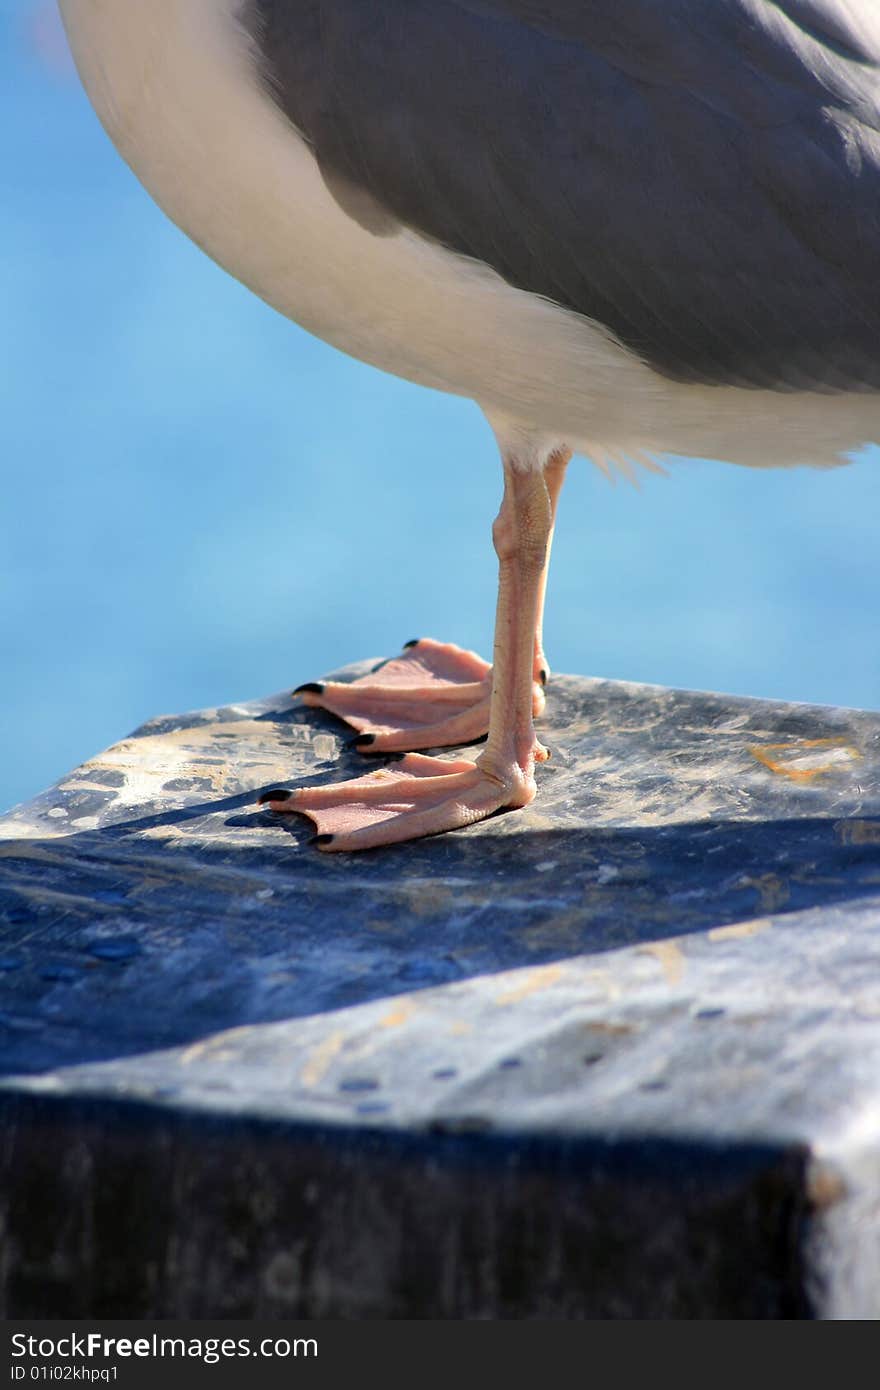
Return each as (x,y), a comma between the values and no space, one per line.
(522,535)
(421,795)
(435,694)
(554,477)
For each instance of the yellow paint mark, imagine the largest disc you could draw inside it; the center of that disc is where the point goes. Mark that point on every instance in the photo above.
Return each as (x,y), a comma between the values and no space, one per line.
(459,1028)
(825,1187)
(400,1014)
(65,901)
(535,981)
(320,1060)
(773,891)
(20,849)
(739,930)
(16,831)
(382,924)
(859,832)
(216,1047)
(426,904)
(669,956)
(806,758)
(610,1030)
(603,980)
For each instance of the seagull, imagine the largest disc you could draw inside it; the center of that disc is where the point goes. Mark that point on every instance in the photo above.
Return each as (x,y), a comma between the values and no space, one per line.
(625,228)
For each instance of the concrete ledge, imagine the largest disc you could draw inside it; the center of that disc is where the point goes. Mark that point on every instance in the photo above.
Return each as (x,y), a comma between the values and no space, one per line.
(125,1207)
(616,1055)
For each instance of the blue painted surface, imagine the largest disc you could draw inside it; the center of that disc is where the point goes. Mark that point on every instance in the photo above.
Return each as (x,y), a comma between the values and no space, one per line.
(201,503)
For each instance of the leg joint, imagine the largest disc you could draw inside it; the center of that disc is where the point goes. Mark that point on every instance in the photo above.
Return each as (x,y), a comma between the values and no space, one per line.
(504,535)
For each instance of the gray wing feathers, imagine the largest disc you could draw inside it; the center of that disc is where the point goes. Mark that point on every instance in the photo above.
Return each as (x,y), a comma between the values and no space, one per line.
(701,176)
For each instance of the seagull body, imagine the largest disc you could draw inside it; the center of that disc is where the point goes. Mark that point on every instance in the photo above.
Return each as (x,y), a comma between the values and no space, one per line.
(623,227)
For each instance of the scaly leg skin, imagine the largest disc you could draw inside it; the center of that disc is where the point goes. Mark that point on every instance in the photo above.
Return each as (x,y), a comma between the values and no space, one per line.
(423,796)
(435,694)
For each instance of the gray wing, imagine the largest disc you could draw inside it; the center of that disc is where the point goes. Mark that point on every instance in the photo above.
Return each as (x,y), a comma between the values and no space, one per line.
(701,176)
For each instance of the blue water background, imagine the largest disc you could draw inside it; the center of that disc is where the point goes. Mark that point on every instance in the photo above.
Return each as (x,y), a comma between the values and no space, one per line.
(201,503)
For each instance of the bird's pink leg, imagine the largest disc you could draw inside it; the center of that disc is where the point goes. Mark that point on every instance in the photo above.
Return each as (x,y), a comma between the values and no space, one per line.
(423,796)
(435,694)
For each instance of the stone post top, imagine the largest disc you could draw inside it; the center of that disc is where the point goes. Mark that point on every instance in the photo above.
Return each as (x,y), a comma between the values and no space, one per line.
(676,950)
(680,937)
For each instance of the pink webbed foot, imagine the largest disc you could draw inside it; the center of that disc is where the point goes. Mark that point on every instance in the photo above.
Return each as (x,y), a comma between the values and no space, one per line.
(434,695)
(414,797)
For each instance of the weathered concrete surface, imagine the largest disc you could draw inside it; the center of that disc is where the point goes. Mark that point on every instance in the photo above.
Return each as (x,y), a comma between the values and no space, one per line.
(615,1055)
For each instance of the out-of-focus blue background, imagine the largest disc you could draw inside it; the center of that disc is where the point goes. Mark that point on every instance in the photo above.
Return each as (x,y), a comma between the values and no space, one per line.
(201,503)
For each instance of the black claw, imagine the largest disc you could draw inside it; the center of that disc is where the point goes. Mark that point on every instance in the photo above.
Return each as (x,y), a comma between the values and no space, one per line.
(310,688)
(395,757)
(321,839)
(362,741)
(542,676)
(278,794)
(414,643)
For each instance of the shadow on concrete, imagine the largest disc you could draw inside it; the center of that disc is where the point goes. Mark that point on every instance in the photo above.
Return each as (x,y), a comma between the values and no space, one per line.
(114,943)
